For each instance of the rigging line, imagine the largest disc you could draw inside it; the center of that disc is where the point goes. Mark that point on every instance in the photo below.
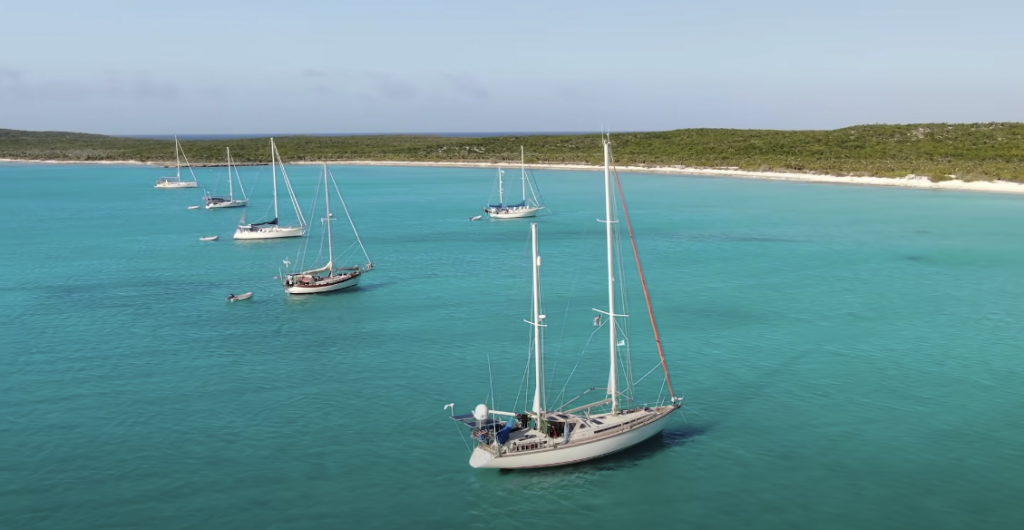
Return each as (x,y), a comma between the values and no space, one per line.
(572,291)
(304,246)
(643,281)
(647,374)
(526,377)
(491,377)
(561,394)
(468,448)
(348,215)
(529,351)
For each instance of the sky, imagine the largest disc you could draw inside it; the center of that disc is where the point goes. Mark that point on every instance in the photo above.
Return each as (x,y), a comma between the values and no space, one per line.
(410,66)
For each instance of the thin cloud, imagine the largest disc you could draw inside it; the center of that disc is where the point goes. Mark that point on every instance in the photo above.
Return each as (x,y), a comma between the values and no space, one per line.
(24,86)
(391,87)
(467,85)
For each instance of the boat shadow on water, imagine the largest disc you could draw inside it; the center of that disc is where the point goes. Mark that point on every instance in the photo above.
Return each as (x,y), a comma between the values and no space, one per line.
(627,458)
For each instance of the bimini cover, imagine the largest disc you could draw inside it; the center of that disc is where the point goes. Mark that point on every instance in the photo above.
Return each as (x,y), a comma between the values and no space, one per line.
(520,205)
(506,431)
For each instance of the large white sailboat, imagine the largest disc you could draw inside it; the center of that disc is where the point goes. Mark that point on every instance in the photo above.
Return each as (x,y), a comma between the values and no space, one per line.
(543,436)
(528,207)
(272,229)
(175,182)
(328,277)
(230,201)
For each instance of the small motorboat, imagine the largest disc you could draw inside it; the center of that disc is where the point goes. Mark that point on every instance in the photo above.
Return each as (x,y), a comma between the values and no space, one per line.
(236,297)
(209,238)
(193,207)
(477,218)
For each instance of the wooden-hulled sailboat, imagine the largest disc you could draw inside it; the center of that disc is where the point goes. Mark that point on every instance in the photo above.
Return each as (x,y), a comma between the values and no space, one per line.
(175,182)
(329,277)
(272,229)
(230,201)
(544,437)
(528,207)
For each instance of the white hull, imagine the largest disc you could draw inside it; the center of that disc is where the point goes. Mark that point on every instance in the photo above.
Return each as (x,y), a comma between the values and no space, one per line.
(269,232)
(518,213)
(570,453)
(175,184)
(227,204)
(315,289)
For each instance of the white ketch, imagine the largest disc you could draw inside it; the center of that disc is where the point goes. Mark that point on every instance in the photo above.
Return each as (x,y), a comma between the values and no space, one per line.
(175,182)
(543,437)
(272,229)
(528,207)
(328,277)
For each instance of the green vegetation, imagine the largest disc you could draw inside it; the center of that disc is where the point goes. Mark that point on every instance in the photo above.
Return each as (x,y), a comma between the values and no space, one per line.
(990,151)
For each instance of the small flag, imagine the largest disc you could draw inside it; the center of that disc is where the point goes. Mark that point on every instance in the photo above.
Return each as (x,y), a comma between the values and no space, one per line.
(287,263)
(622,343)
(450,406)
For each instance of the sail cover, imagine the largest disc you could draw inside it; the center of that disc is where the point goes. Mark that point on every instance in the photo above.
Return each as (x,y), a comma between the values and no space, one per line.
(505,432)
(270,222)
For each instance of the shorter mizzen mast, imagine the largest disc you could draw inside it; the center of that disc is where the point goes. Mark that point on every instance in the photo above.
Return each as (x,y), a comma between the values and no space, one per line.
(549,435)
(538,326)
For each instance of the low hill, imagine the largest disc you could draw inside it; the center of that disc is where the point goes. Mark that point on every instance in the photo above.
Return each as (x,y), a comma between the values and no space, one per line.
(980,151)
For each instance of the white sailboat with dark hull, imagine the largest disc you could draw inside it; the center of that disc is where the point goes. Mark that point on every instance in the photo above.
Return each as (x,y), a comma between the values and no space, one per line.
(528,207)
(272,229)
(175,182)
(230,201)
(329,277)
(543,436)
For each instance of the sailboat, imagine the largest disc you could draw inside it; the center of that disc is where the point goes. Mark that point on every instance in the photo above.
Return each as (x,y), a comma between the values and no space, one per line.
(175,182)
(229,201)
(528,207)
(272,229)
(329,277)
(544,437)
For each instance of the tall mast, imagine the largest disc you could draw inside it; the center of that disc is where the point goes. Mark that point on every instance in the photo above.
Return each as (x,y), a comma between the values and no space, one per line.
(330,242)
(231,188)
(522,164)
(501,189)
(538,351)
(177,159)
(273,166)
(613,374)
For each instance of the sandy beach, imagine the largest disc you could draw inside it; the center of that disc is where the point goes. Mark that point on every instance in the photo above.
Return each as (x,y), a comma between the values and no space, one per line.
(909,181)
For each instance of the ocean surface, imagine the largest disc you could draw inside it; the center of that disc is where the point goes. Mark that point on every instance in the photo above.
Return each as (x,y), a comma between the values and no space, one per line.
(851,357)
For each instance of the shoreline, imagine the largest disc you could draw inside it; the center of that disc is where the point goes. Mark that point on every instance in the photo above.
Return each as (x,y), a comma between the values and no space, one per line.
(909,181)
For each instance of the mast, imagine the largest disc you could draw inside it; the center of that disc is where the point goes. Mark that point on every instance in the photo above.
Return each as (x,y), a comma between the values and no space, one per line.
(538,352)
(501,189)
(177,159)
(330,242)
(522,164)
(613,375)
(273,169)
(231,189)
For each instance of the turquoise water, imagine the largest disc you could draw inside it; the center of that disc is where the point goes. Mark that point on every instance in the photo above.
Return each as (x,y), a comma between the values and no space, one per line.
(854,355)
